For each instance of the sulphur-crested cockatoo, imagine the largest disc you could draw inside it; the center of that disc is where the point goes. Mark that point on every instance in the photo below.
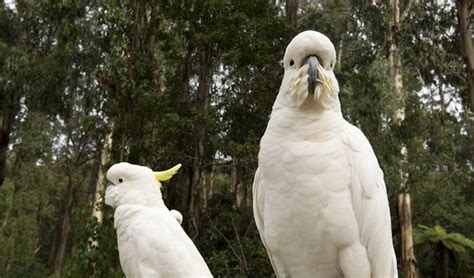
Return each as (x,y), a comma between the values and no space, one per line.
(320,202)
(151,242)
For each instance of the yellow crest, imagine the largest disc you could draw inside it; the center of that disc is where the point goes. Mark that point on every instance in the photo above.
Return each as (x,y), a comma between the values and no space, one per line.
(167,174)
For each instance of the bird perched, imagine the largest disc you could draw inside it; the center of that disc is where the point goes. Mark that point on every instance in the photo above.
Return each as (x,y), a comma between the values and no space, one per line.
(151,242)
(320,202)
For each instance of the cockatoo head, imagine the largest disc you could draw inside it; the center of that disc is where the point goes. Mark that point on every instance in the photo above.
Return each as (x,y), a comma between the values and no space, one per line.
(309,62)
(134,184)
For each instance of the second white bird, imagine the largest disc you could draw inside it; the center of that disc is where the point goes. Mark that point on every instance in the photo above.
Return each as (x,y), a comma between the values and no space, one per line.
(151,242)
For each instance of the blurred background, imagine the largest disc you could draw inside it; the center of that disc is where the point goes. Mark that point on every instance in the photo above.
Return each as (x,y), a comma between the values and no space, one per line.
(85,84)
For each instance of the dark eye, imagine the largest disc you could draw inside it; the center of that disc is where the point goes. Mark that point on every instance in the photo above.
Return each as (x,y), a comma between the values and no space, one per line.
(292,63)
(120,180)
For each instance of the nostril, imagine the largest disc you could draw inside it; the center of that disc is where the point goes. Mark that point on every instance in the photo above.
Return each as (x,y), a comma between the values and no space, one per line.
(292,63)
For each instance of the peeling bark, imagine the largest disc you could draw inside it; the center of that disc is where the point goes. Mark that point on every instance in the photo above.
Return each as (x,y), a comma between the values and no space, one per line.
(407,256)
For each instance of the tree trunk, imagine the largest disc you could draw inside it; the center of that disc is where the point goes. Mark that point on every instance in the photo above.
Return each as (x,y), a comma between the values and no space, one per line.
(170,193)
(182,109)
(395,65)
(234,176)
(464,8)
(441,93)
(105,154)
(445,261)
(58,251)
(208,187)
(398,114)
(199,148)
(291,9)
(123,146)
(339,55)
(195,188)
(241,194)
(203,197)
(5,132)
(4,141)
(237,186)
(407,254)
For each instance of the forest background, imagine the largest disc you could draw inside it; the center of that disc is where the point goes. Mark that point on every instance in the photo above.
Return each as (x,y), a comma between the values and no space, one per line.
(85,84)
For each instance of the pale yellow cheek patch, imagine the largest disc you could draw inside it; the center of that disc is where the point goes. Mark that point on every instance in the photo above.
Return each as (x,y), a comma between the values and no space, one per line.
(325,81)
(295,83)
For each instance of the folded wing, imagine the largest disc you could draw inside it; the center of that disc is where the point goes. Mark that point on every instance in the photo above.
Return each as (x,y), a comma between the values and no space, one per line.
(369,197)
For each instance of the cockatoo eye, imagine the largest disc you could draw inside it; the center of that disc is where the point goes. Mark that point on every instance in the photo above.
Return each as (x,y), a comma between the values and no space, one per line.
(120,180)
(292,63)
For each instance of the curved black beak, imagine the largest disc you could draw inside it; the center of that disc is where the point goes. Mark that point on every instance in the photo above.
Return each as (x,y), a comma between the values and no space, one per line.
(313,63)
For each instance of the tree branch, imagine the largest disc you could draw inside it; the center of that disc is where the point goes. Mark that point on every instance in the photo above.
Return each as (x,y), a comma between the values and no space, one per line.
(244,261)
(230,244)
(406,11)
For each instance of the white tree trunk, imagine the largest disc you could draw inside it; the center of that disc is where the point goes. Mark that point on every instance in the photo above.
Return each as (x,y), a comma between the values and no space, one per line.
(105,155)
(398,114)
(466,31)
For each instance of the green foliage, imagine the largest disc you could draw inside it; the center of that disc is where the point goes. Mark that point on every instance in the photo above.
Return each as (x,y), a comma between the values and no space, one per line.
(455,245)
(455,242)
(73,71)
(89,259)
(230,241)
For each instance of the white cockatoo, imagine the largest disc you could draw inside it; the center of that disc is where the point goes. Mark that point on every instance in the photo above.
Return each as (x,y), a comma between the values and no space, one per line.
(320,202)
(151,242)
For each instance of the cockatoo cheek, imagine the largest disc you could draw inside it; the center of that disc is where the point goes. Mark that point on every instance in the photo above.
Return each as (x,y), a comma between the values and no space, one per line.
(112,194)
